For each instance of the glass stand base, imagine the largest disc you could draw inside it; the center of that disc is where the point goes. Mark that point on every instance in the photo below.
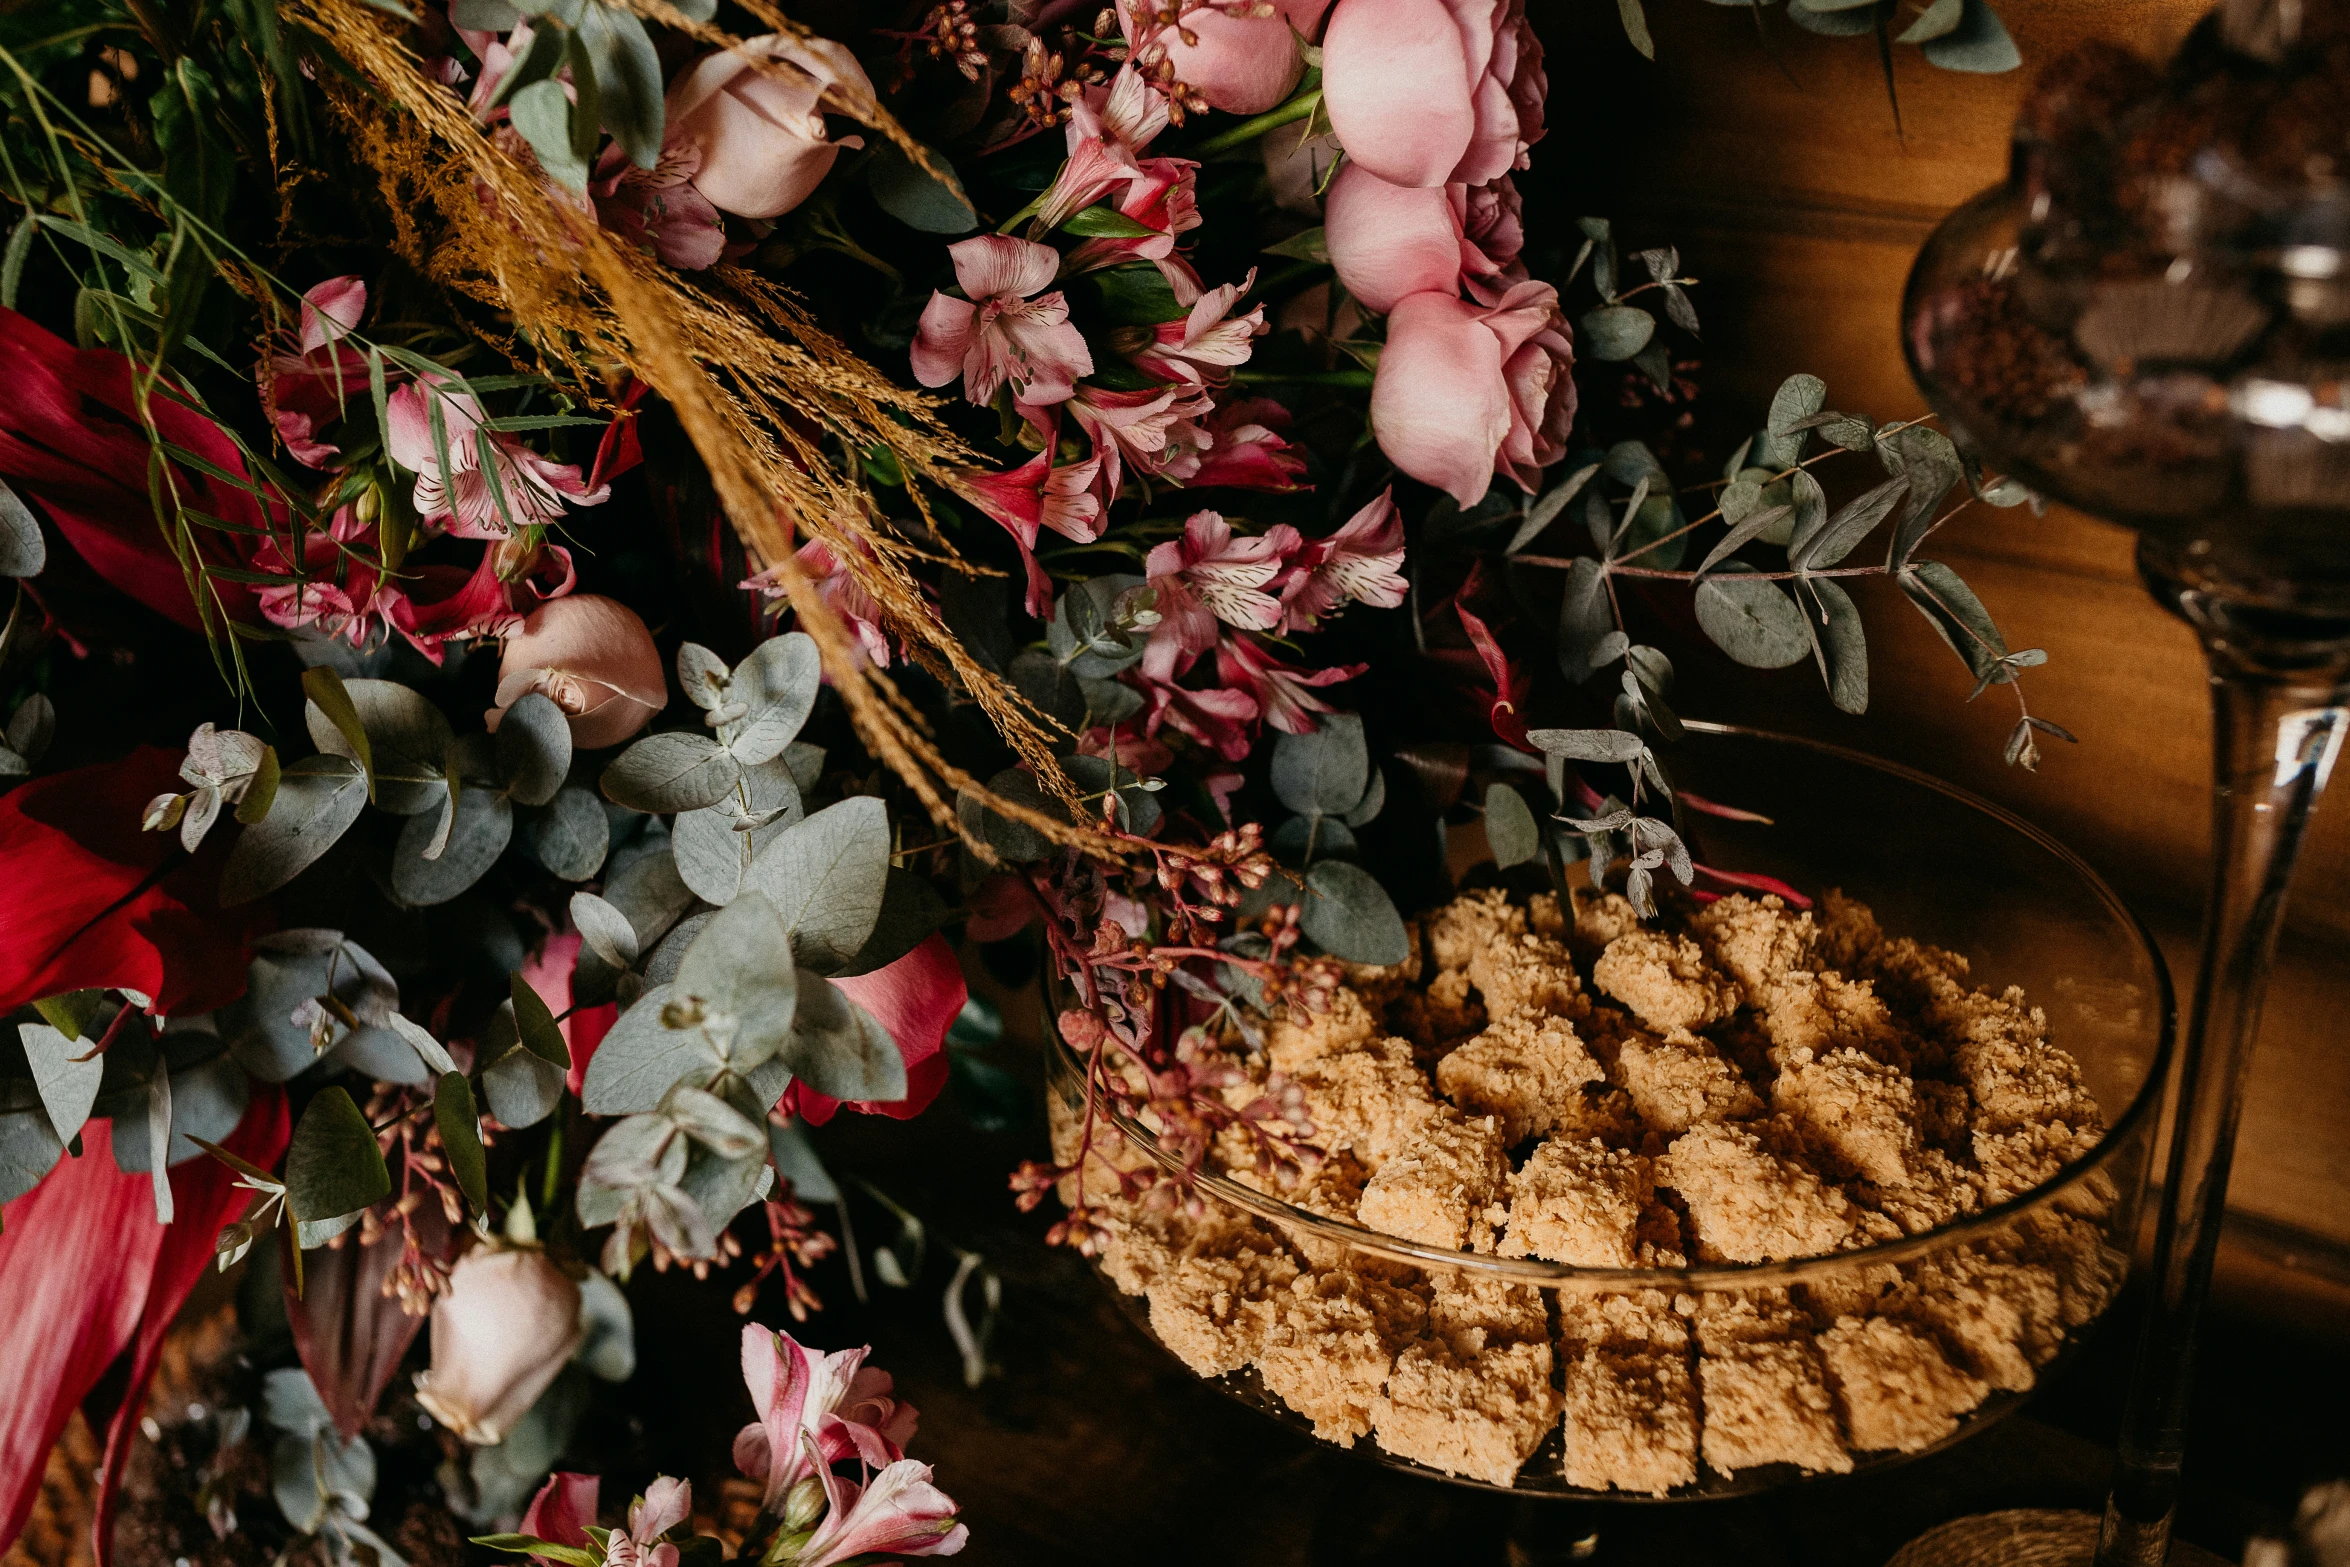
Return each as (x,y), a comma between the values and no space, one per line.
(2024,1537)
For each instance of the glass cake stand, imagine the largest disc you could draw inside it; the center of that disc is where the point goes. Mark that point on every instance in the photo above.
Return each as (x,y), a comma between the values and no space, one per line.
(2150,320)
(1936,864)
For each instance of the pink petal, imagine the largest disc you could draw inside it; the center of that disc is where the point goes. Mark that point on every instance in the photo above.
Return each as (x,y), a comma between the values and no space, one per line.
(1387,241)
(992,266)
(565,1505)
(1395,80)
(1439,405)
(917,999)
(942,339)
(331,309)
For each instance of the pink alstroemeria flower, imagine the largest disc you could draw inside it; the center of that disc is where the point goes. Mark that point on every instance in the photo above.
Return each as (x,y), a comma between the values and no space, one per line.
(1157,430)
(1283,692)
(659,209)
(1041,493)
(339,595)
(1163,195)
(1108,129)
(1206,345)
(840,589)
(898,1513)
(999,335)
(668,1502)
(307,387)
(1221,719)
(814,1410)
(1212,574)
(1246,449)
(466,502)
(512,578)
(1357,564)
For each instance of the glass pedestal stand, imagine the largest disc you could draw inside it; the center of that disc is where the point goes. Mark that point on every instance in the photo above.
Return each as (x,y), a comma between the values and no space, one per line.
(2278,687)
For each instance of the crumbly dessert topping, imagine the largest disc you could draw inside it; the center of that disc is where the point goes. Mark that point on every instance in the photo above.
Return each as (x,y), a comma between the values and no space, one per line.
(1564,1083)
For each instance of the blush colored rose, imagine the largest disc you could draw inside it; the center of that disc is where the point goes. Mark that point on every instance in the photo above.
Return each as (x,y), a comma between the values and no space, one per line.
(1465,391)
(764,145)
(597,661)
(1240,64)
(507,1323)
(1389,240)
(1433,92)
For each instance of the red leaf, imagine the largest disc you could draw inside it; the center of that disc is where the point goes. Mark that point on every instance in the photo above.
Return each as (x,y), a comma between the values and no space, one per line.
(87,1276)
(70,438)
(93,901)
(349,1332)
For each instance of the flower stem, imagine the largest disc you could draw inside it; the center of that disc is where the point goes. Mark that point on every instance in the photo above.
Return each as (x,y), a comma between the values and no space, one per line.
(1343,378)
(1249,130)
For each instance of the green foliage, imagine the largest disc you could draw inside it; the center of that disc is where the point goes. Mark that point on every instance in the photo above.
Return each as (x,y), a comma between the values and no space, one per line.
(333,1166)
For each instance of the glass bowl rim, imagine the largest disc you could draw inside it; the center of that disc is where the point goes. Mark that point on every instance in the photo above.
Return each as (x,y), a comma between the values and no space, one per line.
(1701,1278)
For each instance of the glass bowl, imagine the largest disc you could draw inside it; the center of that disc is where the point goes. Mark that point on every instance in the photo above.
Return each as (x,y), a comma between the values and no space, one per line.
(1937,864)
(2150,319)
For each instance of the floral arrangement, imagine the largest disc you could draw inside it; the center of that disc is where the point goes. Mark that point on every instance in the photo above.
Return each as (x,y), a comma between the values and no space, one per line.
(558,549)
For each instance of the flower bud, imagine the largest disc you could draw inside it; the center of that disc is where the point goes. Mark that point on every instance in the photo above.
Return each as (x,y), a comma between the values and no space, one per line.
(803,1505)
(508,1323)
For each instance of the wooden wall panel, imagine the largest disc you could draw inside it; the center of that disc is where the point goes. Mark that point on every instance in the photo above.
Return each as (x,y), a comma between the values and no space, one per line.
(1790,194)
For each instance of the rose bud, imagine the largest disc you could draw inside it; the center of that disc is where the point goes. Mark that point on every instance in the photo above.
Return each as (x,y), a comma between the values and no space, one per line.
(508,1322)
(597,662)
(764,145)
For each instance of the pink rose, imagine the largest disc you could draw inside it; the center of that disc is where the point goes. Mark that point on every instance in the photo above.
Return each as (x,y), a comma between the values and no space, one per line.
(1387,241)
(1466,391)
(1240,64)
(761,132)
(1433,92)
(508,1322)
(595,658)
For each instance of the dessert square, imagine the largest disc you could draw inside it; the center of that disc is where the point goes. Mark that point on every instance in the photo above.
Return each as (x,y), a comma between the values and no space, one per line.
(1521,1070)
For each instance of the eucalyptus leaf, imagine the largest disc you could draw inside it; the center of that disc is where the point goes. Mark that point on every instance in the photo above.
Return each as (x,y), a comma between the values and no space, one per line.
(1958,616)
(571,836)
(535,1025)
(1545,510)
(22,551)
(1743,532)
(1979,43)
(333,1165)
(737,981)
(715,848)
(1932,465)
(1303,839)
(1614,332)
(460,1128)
(838,1049)
(67,1086)
(1326,771)
(1586,618)
(522,1089)
(825,878)
(1840,534)
(534,749)
(267,1028)
(29,1150)
(1374,800)
(1017,842)
(1350,916)
(604,930)
(1510,827)
(1050,686)
(721,1187)
(483,826)
(541,114)
(1588,745)
(675,770)
(1797,399)
(1842,647)
(430,1051)
(641,1059)
(317,800)
(911,910)
(796,1161)
(908,192)
(32,726)
(1138,808)
(777,684)
(1751,619)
